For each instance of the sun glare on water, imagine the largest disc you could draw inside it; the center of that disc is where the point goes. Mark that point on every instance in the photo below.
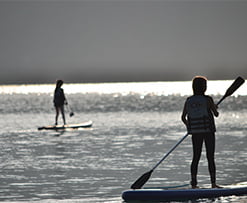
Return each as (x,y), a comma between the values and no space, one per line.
(142,88)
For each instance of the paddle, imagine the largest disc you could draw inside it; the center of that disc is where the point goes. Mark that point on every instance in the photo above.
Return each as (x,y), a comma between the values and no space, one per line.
(71,112)
(145,177)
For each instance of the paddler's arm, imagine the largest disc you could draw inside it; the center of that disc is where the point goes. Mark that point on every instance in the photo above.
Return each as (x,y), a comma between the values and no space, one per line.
(184,114)
(213,107)
(65,100)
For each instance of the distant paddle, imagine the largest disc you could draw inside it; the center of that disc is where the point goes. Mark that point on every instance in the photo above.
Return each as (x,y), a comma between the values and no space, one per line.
(71,112)
(145,177)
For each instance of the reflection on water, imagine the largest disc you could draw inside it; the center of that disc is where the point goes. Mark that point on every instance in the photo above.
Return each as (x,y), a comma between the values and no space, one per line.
(142,88)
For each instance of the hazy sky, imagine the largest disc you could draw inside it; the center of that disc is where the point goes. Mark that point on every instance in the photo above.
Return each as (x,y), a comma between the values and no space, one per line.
(121,40)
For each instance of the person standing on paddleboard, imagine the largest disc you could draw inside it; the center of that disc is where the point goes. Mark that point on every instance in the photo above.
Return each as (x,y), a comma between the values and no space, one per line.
(59,100)
(198,116)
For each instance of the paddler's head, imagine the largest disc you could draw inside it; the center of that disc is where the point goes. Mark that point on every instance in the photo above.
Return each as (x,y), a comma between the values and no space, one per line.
(59,83)
(199,85)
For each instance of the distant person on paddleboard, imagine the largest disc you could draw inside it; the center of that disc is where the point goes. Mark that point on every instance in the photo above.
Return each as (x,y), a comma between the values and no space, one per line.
(198,116)
(59,101)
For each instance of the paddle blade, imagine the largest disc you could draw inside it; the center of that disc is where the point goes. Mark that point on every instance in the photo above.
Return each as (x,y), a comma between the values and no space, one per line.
(141,181)
(235,85)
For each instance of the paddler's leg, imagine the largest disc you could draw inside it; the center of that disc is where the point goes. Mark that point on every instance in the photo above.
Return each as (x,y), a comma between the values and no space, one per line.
(194,181)
(63,115)
(197,141)
(57,114)
(210,149)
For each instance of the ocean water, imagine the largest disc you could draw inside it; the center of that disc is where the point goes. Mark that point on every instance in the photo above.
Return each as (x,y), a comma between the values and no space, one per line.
(134,125)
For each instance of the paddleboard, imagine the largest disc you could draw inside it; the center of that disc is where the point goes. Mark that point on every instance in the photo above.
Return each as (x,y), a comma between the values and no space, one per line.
(173,194)
(65,127)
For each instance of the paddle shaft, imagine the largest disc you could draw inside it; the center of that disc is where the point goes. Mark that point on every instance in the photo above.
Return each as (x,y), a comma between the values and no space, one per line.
(170,151)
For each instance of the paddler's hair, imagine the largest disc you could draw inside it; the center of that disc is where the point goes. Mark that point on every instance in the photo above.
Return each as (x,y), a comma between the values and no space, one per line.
(59,83)
(199,85)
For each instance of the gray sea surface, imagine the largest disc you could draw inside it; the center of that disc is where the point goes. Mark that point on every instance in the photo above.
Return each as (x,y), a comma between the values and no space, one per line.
(131,132)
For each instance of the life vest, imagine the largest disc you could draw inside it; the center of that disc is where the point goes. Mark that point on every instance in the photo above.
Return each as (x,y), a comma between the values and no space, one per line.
(200,117)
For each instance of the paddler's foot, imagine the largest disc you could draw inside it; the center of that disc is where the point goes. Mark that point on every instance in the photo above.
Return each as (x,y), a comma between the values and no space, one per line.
(216,186)
(194,187)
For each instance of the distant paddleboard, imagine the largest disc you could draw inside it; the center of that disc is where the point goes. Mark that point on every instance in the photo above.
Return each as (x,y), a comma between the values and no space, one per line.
(65,127)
